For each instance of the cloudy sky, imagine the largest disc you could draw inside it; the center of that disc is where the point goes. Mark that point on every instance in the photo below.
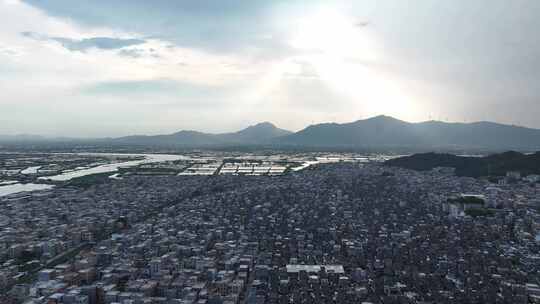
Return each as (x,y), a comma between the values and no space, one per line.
(111,68)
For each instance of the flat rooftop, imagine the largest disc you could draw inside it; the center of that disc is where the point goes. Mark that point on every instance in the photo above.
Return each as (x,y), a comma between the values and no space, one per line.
(292,268)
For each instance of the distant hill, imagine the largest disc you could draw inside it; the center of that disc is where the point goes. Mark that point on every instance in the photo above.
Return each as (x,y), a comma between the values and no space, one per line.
(492,165)
(188,138)
(31,138)
(256,134)
(388,132)
(21,138)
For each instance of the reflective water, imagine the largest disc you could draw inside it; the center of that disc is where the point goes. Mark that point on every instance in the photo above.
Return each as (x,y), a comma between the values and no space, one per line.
(7,182)
(148,158)
(16,188)
(31,170)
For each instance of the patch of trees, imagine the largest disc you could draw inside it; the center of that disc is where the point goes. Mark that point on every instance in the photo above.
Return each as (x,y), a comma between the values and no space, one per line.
(492,165)
(476,212)
(467,200)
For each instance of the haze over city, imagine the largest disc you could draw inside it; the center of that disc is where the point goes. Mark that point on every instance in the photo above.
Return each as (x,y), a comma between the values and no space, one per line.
(269,152)
(102,68)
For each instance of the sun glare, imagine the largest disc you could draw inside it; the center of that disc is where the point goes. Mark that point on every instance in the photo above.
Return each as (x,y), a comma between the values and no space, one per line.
(340,52)
(328,31)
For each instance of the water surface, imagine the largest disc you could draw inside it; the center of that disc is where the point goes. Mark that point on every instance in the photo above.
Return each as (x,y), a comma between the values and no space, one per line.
(31,170)
(17,188)
(148,158)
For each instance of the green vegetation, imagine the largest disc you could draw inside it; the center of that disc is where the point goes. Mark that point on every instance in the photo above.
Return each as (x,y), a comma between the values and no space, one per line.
(476,212)
(28,266)
(26,256)
(239,161)
(150,171)
(89,180)
(492,165)
(31,274)
(467,200)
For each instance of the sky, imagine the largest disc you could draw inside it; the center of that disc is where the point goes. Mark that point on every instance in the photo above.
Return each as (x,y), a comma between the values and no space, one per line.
(113,68)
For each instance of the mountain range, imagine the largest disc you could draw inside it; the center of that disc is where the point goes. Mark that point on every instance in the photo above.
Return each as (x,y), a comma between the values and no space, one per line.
(380,132)
(257,134)
(385,131)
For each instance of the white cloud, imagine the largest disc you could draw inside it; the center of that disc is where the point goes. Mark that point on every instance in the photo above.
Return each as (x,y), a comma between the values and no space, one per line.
(49,63)
(10,51)
(262,61)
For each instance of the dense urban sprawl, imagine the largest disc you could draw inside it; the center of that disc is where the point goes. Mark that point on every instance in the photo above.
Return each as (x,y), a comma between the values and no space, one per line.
(331,233)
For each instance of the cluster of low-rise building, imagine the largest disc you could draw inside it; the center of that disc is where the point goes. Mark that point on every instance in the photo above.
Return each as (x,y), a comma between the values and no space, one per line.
(345,232)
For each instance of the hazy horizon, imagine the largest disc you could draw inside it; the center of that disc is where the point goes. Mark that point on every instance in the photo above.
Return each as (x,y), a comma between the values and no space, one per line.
(102,69)
(219,132)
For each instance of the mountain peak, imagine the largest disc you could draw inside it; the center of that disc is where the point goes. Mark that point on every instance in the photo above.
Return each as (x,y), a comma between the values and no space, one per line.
(262,130)
(383,118)
(378,120)
(264,124)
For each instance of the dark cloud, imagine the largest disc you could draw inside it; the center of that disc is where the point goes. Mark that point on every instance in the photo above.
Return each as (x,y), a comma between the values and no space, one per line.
(104,43)
(138,53)
(217,26)
(133,53)
(33,35)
